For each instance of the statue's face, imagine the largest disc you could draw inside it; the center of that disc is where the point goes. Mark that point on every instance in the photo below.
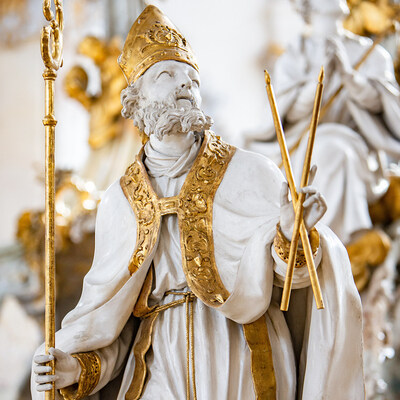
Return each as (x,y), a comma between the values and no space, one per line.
(335,8)
(175,79)
(166,100)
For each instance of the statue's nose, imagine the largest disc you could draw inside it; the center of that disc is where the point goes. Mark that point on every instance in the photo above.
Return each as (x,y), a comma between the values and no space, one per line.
(187,83)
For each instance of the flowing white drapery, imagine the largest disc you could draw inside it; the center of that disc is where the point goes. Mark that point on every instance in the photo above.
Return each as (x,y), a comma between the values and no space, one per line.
(245,213)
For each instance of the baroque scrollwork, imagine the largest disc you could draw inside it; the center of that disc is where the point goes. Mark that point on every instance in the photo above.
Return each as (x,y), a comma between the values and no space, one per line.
(162,34)
(194,207)
(142,198)
(197,242)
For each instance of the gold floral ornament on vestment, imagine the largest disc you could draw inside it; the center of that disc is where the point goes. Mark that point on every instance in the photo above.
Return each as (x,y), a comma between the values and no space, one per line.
(152,38)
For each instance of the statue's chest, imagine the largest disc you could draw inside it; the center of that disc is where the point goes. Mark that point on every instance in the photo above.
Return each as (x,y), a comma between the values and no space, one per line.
(194,209)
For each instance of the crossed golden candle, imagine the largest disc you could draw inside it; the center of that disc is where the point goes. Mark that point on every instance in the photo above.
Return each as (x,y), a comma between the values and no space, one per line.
(298,199)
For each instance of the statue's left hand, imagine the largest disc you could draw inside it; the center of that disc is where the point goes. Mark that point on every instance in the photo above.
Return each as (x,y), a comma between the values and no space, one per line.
(314,207)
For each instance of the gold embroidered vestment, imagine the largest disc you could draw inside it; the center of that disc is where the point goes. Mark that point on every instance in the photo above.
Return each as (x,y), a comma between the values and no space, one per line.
(194,208)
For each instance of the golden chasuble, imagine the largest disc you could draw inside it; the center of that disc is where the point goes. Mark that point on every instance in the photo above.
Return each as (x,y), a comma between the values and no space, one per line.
(194,208)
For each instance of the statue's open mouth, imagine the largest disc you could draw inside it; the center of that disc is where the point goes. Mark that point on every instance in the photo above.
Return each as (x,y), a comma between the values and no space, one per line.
(187,98)
(184,98)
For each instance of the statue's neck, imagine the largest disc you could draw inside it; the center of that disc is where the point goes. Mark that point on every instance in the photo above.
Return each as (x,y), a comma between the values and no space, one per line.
(173,145)
(172,156)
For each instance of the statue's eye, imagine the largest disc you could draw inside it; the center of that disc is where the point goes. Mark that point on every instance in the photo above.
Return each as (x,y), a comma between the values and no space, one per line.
(196,82)
(164,73)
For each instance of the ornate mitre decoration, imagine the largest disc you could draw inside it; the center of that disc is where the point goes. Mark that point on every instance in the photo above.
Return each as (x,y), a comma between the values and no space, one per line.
(152,38)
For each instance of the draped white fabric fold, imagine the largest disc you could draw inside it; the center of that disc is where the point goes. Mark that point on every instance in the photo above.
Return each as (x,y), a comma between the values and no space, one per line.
(171,166)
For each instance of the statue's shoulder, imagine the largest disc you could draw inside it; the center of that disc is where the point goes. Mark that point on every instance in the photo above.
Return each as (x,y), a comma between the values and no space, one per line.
(250,172)
(114,209)
(113,196)
(252,162)
(358,46)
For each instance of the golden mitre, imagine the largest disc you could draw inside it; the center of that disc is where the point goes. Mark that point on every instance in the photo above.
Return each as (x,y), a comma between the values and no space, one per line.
(152,38)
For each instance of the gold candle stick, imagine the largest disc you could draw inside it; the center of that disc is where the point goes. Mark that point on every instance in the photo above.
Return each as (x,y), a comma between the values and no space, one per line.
(51,50)
(292,187)
(299,208)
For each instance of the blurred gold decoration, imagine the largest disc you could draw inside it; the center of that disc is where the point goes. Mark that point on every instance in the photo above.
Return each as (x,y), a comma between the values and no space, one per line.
(368,250)
(374,17)
(76,199)
(113,140)
(16,23)
(370,17)
(371,248)
(276,49)
(12,6)
(387,209)
(268,57)
(75,211)
(106,122)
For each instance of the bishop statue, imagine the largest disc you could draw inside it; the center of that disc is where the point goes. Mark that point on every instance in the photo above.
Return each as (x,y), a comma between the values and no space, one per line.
(182,299)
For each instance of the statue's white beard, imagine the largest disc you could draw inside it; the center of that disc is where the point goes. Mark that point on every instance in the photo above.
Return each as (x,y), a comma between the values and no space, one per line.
(159,118)
(169,120)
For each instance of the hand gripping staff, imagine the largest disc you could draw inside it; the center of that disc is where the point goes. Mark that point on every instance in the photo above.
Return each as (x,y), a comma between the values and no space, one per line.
(298,199)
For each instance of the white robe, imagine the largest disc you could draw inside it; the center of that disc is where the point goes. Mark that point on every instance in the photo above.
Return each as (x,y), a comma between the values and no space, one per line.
(246,209)
(357,127)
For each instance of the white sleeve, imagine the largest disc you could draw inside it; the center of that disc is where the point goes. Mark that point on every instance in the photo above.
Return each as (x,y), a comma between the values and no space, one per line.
(113,357)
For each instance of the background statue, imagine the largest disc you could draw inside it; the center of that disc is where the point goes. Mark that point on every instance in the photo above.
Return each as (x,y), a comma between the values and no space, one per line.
(357,135)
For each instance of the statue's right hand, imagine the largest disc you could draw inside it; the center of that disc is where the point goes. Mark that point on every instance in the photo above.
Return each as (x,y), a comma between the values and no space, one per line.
(67,370)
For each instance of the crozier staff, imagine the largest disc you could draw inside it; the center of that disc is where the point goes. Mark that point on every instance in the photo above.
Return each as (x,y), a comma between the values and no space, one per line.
(51,47)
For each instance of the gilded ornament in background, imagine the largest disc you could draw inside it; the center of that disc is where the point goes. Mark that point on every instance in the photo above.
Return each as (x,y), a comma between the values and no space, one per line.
(367,251)
(374,17)
(12,6)
(16,24)
(113,140)
(387,209)
(370,17)
(75,211)
(106,122)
